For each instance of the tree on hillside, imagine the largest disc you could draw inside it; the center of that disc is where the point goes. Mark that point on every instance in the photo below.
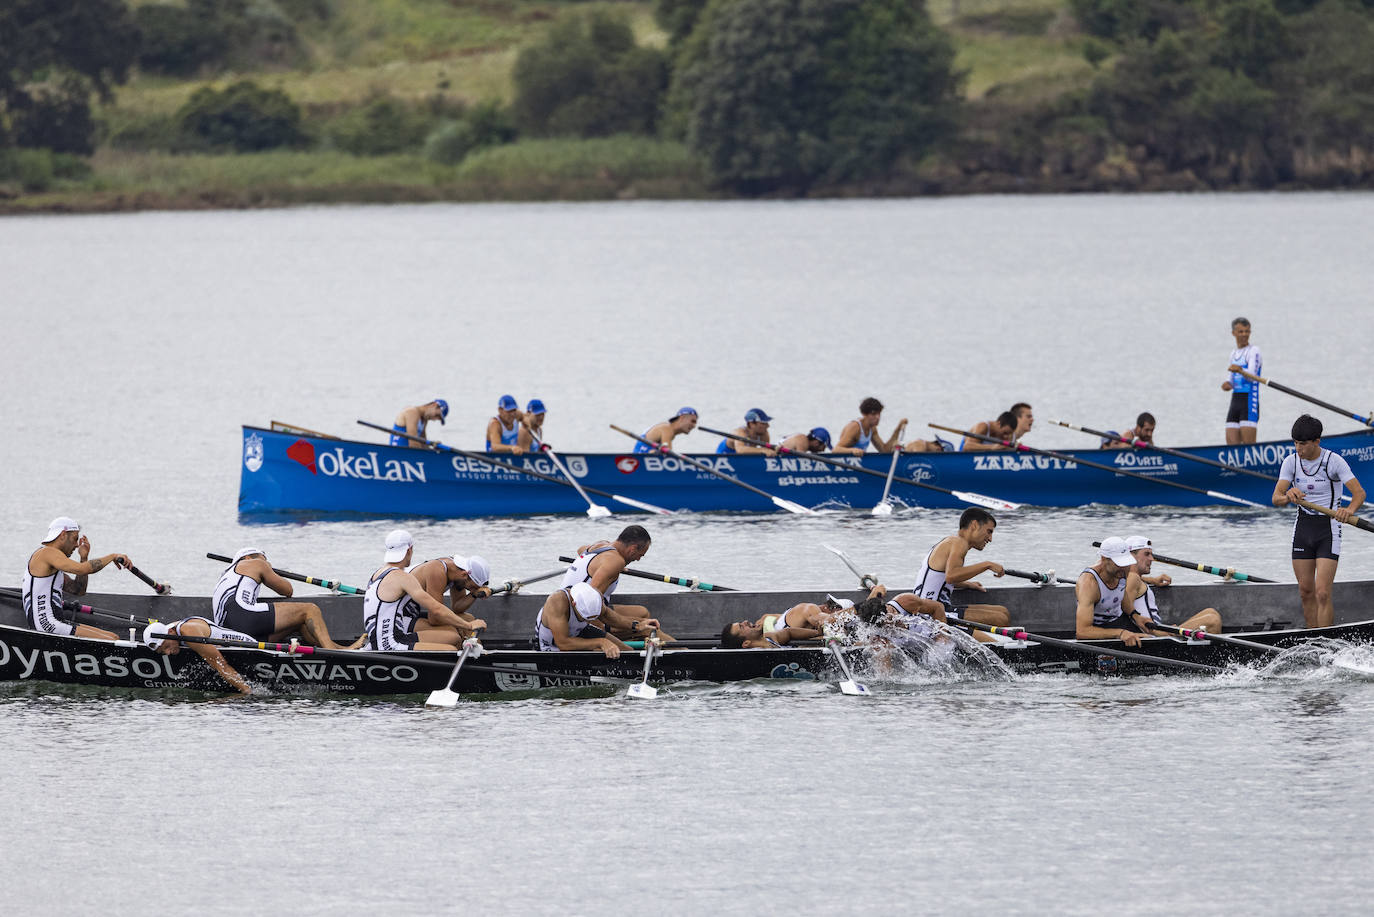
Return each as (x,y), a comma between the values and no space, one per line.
(785,94)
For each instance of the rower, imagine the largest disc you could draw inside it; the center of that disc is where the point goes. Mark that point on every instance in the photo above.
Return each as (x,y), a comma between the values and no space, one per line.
(680,424)
(51,574)
(572,619)
(857,435)
(1242,417)
(943,568)
(237,605)
(162,639)
(1003,428)
(1318,476)
(408,429)
(532,426)
(1143,431)
(755,427)
(600,565)
(817,439)
(396,602)
(803,621)
(503,430)
(465,579)
(1025,419)
(1100,592)
(1140,593)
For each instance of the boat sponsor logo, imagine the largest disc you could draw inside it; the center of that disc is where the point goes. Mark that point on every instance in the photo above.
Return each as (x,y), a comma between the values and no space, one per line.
(1267,455)
(627,464)
(466,467)
(40,663)
(656,463)
(1021,462)
(303,453)
(336,463)
(325,673)
(1145,463)
(509,681)
(791,670)
(790,464)
(252,452)
(920,471)
(577,464)
(791,480)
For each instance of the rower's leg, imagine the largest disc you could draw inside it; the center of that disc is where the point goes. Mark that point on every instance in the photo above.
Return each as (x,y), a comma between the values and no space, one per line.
(1248,434)
(305,617)
(995,615)
(95,633)
(1233,436)
(1306,572)
(1209,619)
(444,635)
(1326,575)
(913,604)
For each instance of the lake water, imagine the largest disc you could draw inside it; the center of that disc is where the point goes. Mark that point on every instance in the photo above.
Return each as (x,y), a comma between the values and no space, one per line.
(137,345)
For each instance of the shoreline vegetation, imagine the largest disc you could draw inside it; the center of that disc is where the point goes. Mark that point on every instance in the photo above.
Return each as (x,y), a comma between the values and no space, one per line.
(408,101)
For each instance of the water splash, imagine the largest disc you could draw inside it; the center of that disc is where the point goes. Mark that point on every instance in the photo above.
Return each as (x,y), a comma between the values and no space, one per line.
(915,648)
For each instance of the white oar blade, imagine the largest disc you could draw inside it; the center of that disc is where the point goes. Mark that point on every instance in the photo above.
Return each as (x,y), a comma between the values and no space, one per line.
(442,698)
(647,507)
(1349,667)
(793,507)
(641,691)
(883,509)
(596,511)
(854,689)
(980,500)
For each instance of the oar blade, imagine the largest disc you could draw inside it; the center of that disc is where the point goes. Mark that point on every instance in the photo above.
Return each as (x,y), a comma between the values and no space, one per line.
(647,507)
(883,509)
(791,507)
(641,691)
(597,511)
(854,689)
(442,697)
(984,501)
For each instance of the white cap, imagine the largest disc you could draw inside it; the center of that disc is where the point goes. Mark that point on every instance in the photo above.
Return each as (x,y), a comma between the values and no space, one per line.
(843,603)
(398,542)
(245,552)
(154,633)
(1115,550)
(477,568)
(1136,542)
(59,525)
(586,600)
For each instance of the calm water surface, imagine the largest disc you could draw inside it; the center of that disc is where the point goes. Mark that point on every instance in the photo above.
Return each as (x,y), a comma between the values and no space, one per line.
(139,343)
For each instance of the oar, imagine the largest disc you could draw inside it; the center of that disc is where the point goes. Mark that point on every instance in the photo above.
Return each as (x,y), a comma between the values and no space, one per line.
(849,686)
(159,588)
(1205,568)
(1044,579)
(447,697)
(867,580)
(684,582)
(1216,638)
(1021,447)
(515,585)
(332,585)
(962,495)
(72,605)
(779,502)
(643,690)
(1176,453)
(1017,633)
(883,506)
(594,510)
(437,446)
(1297,394)
(1328,511)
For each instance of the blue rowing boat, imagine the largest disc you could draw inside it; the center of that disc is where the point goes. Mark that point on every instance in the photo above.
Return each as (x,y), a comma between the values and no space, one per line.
(297,473)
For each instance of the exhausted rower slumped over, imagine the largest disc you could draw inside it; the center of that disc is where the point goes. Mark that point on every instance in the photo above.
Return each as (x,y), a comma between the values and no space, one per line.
(394,603)
(600,565)
(464,578)
(803,621)
(238,606)
(408,429)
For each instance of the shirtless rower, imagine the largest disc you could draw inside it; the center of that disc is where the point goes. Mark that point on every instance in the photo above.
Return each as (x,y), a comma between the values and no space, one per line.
(51,574)
(1242,416)
(803,621)
(1318,476)
(237,606)
(1025,419)
(1140,593)
(1143,431)
(680,424)
(755,426)
(162,639)
(532,426)
(503,430)
(817,439)
(943,569)
(572,618)
(396,601)
(857,435)
(465,579)
(1003,428)
(600,565)
(412,421)
(1102,611)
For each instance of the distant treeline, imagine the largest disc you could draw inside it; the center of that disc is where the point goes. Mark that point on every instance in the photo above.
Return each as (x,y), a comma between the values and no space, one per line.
(770,96)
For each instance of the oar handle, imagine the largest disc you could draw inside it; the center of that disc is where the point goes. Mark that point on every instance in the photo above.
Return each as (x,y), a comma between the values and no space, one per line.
(682,581)
(159,588)
(1044,579)
(1328,511)
(1304,396)
(301,578)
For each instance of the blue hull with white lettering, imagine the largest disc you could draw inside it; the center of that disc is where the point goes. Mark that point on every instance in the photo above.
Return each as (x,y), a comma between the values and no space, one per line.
(290,473)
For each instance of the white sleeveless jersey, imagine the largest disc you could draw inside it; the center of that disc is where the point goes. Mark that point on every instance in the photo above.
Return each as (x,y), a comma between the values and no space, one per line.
(1322,482)
(1108,607)
(1248,356)
(578,573)
(1146,605)
(42,600)
(930,583)
(576,625)
(236,588)
(388,623)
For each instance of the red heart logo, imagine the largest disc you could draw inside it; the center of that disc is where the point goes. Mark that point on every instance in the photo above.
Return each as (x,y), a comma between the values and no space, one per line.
(627,463)
(303,452)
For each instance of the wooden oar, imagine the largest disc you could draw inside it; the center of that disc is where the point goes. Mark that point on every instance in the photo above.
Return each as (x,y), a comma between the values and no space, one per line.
(1017,633)
(961,495)
(1216,638)
(594,510)
(779,502)
(643,690)
(1176,453)
(331,585)
(1021,447)
(883,506)
(849,686)
(437,446)
(1305,397)
(159,588)
(1328,511)
(684,582)
(1204,568)
(515,585)
(447,697)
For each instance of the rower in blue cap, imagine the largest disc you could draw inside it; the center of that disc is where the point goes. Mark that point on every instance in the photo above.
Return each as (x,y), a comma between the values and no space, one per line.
(680,424)
(503,430)
(532,426)
(816,440)
(411,422)
(755,427)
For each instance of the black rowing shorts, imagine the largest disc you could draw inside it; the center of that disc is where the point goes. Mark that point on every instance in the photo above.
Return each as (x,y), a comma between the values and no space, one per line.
(1313,537)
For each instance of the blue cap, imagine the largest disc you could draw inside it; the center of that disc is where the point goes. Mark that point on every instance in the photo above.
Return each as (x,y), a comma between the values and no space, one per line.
(443,409)
(681,411)
(820,433)
(534,407)
(507,403)
(756,415)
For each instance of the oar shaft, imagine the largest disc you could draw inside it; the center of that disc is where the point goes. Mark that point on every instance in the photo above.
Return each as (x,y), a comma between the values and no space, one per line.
(1017,633)
(665,578)
(558,463)
(1176,453)
(1305,397)
(1216,638)
(1328,511)
(300,577)
(1203,568)
(520,583)
(159,588)
(659,447)
(1033,577)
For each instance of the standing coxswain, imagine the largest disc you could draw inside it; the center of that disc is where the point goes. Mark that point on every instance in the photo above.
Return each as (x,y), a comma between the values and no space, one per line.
(408,429)
(237,605)
(680,424)
(943,568)
(396,601)
(51,574)
(1318,476)
(857,435)
(1242,417)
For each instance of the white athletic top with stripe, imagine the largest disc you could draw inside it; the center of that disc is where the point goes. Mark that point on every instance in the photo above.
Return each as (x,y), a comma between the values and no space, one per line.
(577,572)
(236,587)
(387,622)
(1145,604)
(576,623)
(1322,481)
(1108,607)
(931,583)
(42,599)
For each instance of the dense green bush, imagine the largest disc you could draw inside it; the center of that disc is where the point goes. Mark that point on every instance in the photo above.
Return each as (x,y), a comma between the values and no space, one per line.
(177,41)
(486,125)
(383,125)
(201,35)
(243,117)
(57,118)
(36,170)
(588,79)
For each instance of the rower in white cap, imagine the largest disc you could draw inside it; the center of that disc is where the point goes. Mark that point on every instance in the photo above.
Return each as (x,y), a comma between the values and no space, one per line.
(1103,613)
(464,577)
(237,605)
(51,574)
(400,613)
(574,618)
(1140,593)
